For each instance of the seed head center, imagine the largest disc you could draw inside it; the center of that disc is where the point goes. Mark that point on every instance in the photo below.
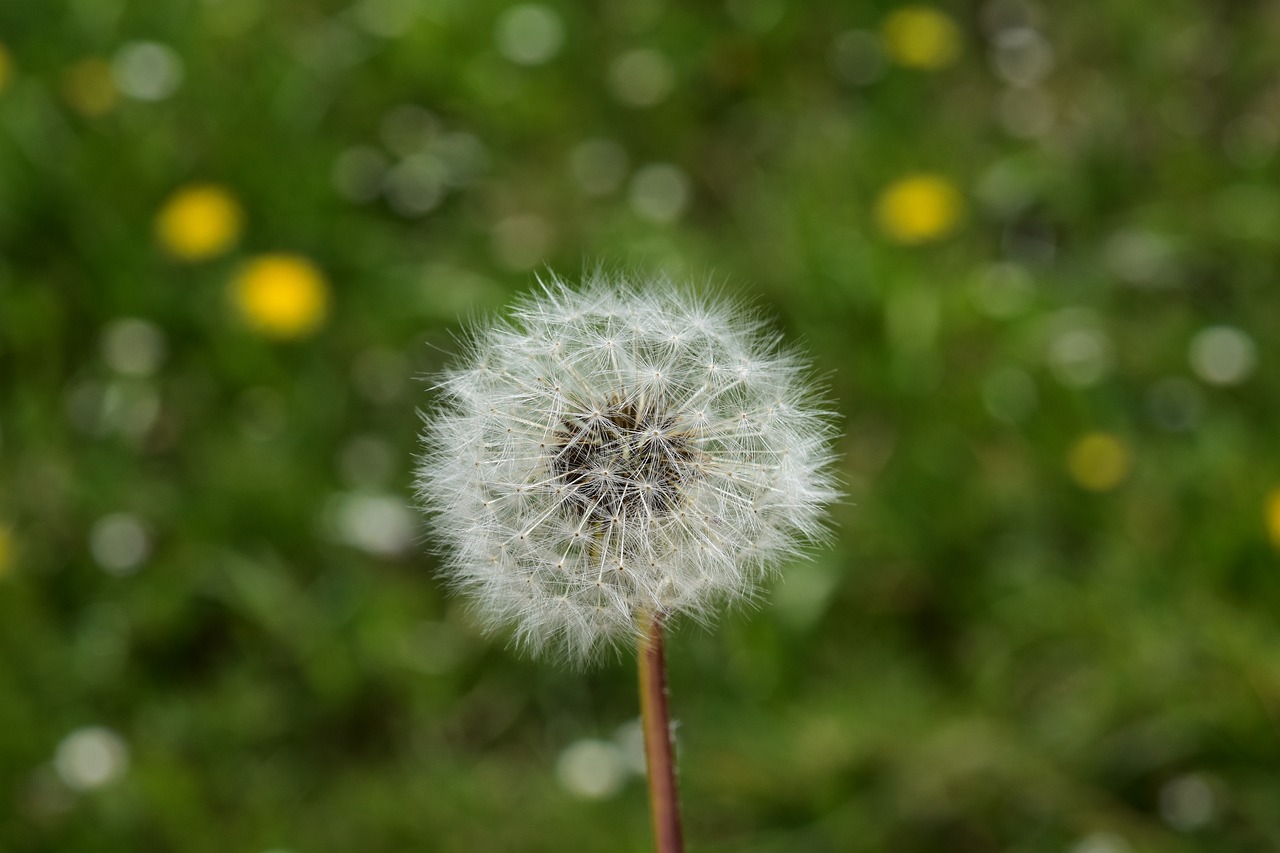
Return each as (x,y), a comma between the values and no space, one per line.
(624,461)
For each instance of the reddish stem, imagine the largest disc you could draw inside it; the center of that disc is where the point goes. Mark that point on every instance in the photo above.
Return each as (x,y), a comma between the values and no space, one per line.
(664,803)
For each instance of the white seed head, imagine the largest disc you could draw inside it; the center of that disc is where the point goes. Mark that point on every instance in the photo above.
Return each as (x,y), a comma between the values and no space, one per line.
(616,450)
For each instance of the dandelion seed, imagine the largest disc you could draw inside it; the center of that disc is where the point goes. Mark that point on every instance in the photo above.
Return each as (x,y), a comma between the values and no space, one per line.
(618,452)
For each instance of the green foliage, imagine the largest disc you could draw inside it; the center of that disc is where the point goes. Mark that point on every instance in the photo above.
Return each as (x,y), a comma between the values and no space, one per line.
(1047,620)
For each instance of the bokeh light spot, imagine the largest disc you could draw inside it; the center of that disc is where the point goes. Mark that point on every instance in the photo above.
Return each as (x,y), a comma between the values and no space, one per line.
(133,347)
(199,222)
(1142,257)
(659,192)
(90,758)
(119,543)
(629,738)
(529,34)
(918,208)
(375,523)
(1079,353)
(147,70)
(1187,802)
(1099,461)
(416,186)
(591,769)
(281,296)
(1022,56)
(921,37)
(641,78)
(1222,355)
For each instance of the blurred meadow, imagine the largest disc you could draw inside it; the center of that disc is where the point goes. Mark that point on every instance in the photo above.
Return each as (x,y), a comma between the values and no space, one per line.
(1032,247)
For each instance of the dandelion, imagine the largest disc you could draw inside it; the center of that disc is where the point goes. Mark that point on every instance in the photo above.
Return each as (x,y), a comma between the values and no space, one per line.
(281,295)
(1099,461)
(918,208)
(617,452)
(199,222)
(921,37)
(612,457)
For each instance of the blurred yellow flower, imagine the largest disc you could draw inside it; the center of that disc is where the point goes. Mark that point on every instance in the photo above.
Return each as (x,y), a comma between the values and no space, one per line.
(918,208)
(6,67)
(1273,516)
(921,37)
(199,222)
(89,87)
(1099,461)
(7,550)
(281,296)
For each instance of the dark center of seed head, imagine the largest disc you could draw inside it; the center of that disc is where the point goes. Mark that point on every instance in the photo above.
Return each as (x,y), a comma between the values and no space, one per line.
(624,462)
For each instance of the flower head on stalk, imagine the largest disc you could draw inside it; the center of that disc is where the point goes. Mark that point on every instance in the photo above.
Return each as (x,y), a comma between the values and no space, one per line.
(621,450)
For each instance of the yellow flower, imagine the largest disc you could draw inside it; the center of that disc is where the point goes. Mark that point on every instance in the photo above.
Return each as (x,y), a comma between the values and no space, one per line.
(89,87)
(1099,461)
(7,550)
(921,37)
(281,296)
(1273,516)
(918,208)
(199,222)
(6,67)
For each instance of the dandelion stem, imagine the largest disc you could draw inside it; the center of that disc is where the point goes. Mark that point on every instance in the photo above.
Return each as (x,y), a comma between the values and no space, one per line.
(664,803)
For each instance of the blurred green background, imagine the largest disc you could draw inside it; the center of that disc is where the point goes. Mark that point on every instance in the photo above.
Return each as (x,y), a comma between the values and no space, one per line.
(1033,247)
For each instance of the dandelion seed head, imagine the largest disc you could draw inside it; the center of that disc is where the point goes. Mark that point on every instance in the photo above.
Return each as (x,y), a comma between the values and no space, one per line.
(620,449)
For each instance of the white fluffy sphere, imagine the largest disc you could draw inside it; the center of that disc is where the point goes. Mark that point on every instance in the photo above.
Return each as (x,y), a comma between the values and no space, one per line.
(617,451)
